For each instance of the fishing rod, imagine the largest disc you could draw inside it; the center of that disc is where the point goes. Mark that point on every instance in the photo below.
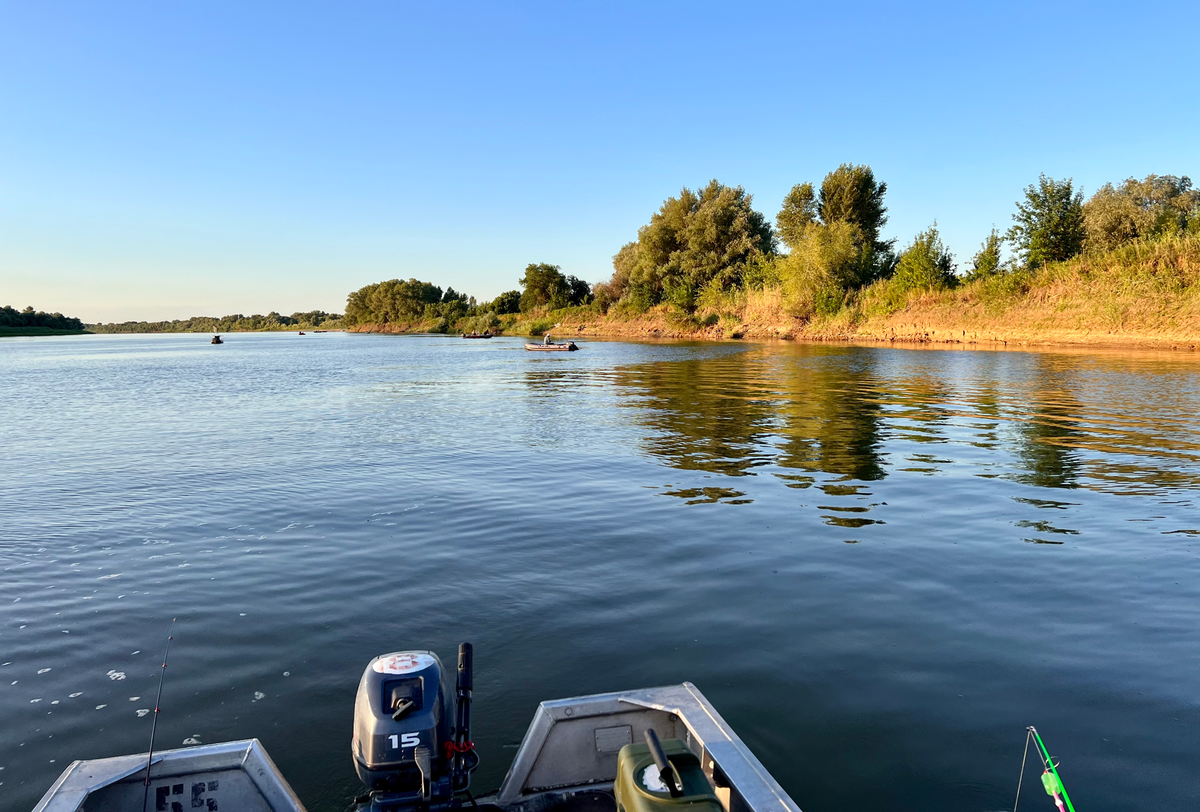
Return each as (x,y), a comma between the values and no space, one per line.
(1051,781)
(154,724)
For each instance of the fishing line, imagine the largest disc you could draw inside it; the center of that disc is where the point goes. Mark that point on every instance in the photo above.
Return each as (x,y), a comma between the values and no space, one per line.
(1024,755)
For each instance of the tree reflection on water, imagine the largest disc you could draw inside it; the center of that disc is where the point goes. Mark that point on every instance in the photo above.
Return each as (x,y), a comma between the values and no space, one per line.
(833,416)
(763,411)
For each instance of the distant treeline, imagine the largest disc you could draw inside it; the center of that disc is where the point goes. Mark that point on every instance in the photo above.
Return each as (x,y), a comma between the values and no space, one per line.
(13,319)
(313,319)
(424,306)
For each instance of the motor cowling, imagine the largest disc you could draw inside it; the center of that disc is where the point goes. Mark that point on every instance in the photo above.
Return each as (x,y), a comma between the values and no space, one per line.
(401,725)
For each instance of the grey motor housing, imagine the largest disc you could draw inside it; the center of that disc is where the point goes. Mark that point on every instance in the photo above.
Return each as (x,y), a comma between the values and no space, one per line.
(401,726)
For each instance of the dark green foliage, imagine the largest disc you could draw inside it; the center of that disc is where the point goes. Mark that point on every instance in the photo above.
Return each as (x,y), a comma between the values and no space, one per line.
(926,264)
(1048,225)
(848,215)
(15,319)
(1140,209)
(798,211)
(986,261)
(625,264)
(578,291)
(451,295)
(391,301)
(762,272)
(696,239)
(546,286)
(507,302)
(850,194)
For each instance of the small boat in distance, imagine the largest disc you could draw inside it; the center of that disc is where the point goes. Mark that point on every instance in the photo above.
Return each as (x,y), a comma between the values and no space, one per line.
(216,340)
(477,335)
(567,347)
(301,332)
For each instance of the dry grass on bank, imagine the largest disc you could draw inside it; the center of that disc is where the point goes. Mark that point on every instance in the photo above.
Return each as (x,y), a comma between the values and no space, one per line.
(1144,293)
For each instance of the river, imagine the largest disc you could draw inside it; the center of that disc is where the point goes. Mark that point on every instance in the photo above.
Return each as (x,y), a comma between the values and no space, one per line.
(879,564)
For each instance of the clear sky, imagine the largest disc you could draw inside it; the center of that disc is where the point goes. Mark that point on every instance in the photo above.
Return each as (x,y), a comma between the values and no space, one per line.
(167,159)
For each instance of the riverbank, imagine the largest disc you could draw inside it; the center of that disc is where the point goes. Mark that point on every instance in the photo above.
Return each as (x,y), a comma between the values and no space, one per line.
(1145,294)
(19,332)
(915,326)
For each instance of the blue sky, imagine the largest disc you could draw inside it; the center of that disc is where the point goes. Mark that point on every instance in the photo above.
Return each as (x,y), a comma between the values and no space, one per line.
(167,159)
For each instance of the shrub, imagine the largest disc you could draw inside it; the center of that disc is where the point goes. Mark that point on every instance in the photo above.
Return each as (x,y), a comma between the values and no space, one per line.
(926,264)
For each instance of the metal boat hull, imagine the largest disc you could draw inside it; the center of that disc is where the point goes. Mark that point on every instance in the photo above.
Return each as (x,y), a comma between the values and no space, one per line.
(567,762)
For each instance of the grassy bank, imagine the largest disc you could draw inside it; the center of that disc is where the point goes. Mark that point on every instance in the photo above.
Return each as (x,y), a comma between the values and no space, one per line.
(13,332)
(1141,294)
(1145,293)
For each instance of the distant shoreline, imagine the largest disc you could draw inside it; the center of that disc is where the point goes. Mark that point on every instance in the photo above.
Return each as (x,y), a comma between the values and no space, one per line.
(33,332)
(96,330)
(28,332)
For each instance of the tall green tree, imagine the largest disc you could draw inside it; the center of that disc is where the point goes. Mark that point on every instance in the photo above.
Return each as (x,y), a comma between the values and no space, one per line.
(986,261)
(799,210)
(546,286)
(1049,224)
(850,202)
(850,194)
(699,238)
(507,302)
(578,291)
(392,301)
(926,264)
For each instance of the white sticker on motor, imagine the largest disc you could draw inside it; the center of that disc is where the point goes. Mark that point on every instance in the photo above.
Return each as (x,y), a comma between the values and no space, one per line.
(402,663)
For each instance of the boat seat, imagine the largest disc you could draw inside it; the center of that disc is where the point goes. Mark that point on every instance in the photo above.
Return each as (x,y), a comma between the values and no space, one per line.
(638,787)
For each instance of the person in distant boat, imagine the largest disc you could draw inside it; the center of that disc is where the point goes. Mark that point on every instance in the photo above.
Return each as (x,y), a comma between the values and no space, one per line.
(547,340)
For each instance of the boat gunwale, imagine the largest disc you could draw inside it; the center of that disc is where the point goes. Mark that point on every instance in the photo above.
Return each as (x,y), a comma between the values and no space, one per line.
(72,789)
(719,746)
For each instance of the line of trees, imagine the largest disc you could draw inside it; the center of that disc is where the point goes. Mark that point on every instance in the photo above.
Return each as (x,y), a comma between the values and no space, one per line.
(827,241)
(825,244)
(310,320)
(398,301)
(424,305)
(12,318)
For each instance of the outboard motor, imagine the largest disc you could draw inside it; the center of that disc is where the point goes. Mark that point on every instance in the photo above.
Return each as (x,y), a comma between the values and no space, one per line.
(406,748)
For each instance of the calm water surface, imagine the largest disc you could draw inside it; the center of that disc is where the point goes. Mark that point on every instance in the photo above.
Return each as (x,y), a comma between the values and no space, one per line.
(879,564)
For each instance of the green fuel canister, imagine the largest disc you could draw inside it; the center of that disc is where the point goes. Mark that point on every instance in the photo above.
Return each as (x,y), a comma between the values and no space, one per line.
(640,786)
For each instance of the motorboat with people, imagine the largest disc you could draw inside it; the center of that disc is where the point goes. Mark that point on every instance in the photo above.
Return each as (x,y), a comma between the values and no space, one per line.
(548,345)
(216,340)
(473,334)
(650,750)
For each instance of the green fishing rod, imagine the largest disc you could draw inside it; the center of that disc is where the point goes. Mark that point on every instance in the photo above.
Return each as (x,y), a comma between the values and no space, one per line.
(1050,778)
